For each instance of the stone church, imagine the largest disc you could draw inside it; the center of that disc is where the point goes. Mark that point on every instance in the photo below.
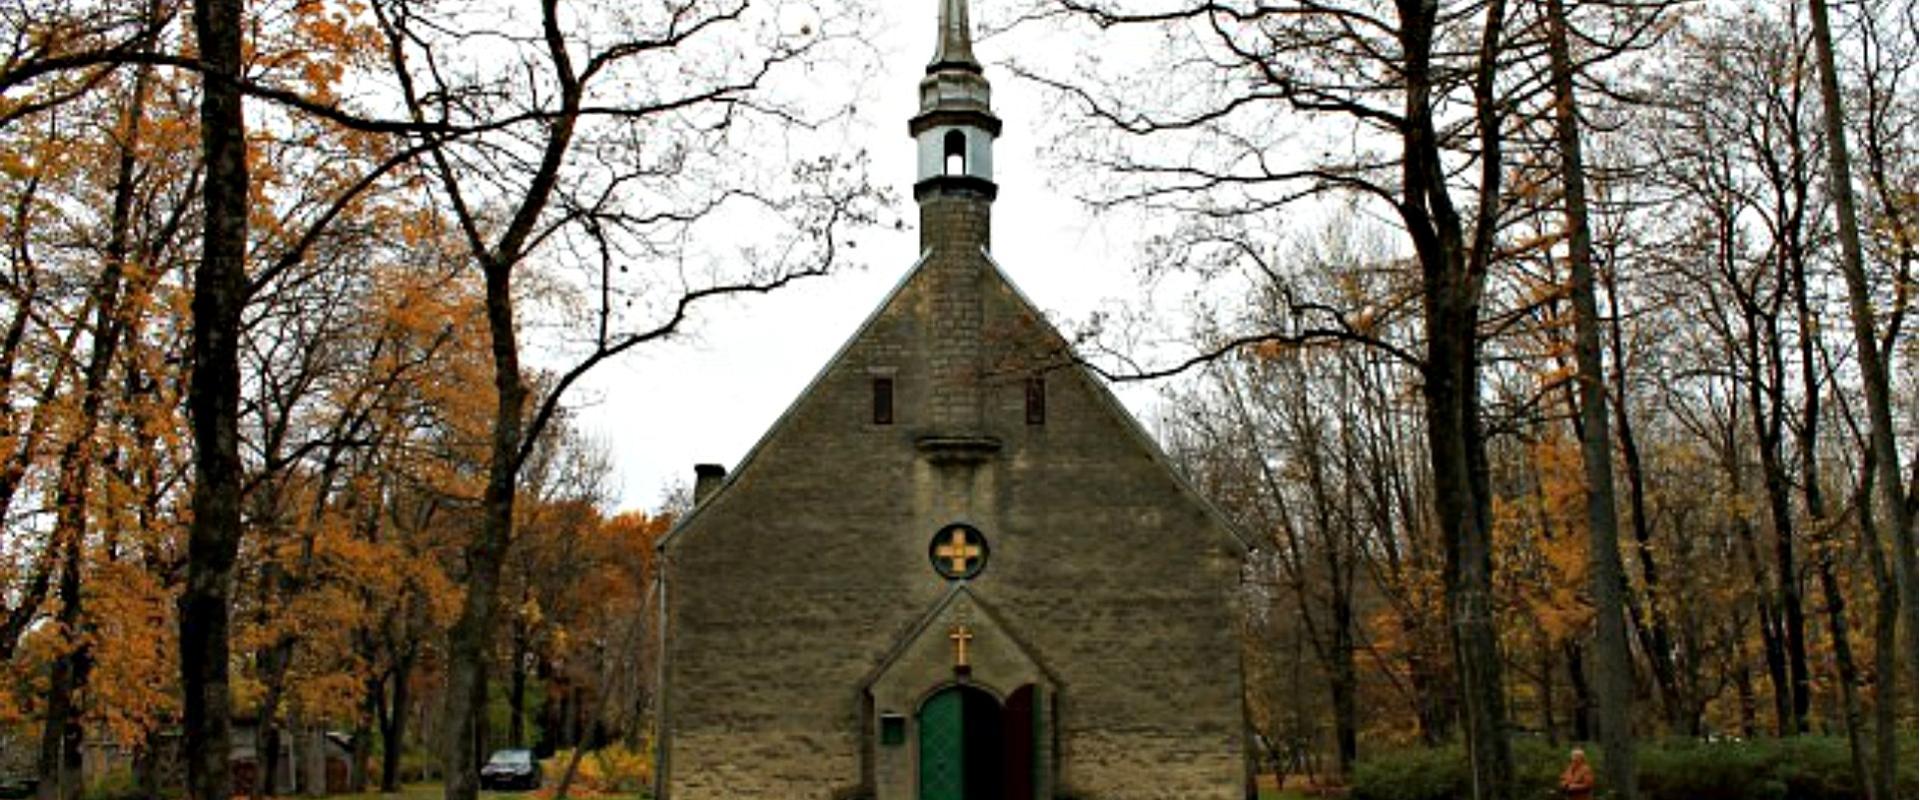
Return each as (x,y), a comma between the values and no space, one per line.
(956,568)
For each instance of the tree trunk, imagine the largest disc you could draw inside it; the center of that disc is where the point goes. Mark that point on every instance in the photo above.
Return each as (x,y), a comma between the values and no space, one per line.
(577,716)
(517,689)
(1895,509)
(482,720)
(147,764)
(1886,690)
(1782,618)
(213,398)
(1776,659)
(1691,647)
(1548,724)
(1773,653)
(393,729)
(567,775)
(1825,544)
(1344,684)
(1791,615)
(1844,669)
(467,644)
(1656,630)
(1611,659)
(1431,694)
(1582,696)
(59,764)
(1453,275)
(266,781)
(1749,706)
(547,738)
(61,739)
(363,736)
(1886,646)
(273,662)
(62,735)
(1453,439)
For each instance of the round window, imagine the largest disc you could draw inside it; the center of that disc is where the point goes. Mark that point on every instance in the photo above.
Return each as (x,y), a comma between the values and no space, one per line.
(958,551)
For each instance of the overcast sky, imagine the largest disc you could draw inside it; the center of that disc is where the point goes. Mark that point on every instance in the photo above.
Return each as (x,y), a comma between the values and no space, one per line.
(709,396)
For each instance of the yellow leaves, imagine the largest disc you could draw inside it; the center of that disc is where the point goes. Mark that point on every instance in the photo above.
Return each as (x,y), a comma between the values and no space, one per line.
(313,44)
(11,712)
(615,770)
(419,227)
(1541,534)
(320,77)
(1895,226)
(529,612)
(135,652)
(14,164)
(1536,243)
(579,578)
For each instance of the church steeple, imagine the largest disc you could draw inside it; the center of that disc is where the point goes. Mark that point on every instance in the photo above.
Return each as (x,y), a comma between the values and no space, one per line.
(955,130)
(956,126)
(955,48)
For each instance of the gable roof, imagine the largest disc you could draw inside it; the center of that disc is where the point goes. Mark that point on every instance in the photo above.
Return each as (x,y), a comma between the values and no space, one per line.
(1132,424)
(1105,397)
(781,421)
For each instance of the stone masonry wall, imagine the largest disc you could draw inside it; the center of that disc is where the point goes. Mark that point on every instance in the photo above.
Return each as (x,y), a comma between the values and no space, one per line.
(949,227)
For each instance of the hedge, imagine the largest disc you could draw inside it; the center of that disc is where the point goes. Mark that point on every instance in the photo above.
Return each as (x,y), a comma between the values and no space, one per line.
(1798,768)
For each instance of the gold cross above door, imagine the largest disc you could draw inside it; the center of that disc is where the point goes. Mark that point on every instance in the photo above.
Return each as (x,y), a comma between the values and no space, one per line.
(961,635)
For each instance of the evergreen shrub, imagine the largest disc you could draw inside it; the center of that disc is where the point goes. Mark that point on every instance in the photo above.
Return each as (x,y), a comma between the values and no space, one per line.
(1798,768)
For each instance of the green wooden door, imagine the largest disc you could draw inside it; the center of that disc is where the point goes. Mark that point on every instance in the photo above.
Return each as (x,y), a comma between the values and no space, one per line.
(942,749)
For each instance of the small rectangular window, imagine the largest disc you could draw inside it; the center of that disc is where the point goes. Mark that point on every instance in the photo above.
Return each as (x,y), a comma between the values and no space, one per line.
(1036,400)
(893,730)
(883,401)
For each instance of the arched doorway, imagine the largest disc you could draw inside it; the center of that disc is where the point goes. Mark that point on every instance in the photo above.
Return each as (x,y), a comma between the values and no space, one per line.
(973,748)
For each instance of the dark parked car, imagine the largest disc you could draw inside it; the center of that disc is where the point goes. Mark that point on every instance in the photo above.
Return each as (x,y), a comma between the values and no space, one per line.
(18,787)
(511,769)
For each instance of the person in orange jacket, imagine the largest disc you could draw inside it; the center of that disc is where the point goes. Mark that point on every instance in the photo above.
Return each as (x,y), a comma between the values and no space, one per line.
(1577,781)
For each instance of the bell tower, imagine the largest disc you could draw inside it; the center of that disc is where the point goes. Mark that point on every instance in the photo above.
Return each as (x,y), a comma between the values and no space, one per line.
(955,130)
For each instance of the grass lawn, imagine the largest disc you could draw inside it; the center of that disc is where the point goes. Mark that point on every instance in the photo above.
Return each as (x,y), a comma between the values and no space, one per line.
(428,791)
(431,791)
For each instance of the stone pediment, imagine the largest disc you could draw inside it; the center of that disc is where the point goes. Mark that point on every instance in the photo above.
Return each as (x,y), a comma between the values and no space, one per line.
(1000,661)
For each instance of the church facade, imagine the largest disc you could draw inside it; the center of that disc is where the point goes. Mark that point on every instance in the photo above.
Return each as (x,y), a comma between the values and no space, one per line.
(956,568)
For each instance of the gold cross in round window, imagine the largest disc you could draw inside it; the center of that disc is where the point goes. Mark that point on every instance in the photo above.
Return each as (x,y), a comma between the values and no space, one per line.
(959,551)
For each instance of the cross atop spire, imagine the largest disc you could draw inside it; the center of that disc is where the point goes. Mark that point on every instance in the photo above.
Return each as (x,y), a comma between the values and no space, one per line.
(955,48)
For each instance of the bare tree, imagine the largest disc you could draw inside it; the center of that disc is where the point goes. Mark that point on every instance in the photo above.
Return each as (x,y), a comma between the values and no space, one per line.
(1387,75)
(1607,574)
(1896,506)
(584,154)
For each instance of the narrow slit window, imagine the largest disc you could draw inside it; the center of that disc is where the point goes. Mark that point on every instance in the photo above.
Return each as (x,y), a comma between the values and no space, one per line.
(956,148)
(883,401)
(1036,400)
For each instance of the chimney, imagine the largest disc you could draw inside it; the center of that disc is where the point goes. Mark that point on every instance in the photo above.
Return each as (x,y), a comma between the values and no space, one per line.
(706,478)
